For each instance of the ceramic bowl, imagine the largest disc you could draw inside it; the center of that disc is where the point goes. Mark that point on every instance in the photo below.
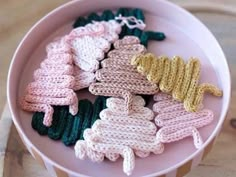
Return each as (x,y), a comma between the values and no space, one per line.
(186,37)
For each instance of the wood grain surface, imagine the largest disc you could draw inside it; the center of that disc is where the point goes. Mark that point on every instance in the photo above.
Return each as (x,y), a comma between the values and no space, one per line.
(17,16)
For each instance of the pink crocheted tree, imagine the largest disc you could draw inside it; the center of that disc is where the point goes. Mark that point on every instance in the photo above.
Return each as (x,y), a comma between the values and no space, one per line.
(118,133)
(90,43)
(176,123)
(53,83)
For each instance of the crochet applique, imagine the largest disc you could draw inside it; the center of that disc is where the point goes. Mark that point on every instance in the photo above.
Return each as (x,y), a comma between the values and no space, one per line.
(175,77)
(118,133)
(83,79)
(176,123)
(53,83)
(66,127)
(144,36)
(89,43)
(76,124)
(118,78)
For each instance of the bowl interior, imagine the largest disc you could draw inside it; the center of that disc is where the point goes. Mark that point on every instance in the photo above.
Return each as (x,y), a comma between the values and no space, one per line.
(186,37)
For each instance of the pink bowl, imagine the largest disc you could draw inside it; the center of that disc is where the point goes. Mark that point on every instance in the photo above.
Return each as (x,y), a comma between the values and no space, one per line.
(186,36)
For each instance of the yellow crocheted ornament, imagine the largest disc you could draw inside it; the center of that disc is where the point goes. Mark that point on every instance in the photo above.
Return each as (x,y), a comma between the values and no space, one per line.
(176,77)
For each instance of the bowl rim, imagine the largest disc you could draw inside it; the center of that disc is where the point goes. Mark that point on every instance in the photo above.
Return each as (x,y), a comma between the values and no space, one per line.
(165,171)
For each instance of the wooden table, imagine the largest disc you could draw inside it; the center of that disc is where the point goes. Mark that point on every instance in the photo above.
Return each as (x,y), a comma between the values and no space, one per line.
(16,17)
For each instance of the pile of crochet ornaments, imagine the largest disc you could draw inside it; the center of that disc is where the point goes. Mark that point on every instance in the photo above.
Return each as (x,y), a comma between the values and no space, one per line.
(107,54)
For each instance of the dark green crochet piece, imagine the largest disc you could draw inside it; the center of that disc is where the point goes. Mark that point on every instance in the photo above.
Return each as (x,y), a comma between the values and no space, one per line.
(56,130)
(37,123)
(99,105)
(106,15)
(86,117)
(66,127)
(81,119)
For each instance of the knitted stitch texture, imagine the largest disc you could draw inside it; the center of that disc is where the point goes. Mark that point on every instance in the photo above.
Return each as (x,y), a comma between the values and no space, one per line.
(176,77)
(176,123)
(82,78)
(85,45)
(59,54)
(53,83)
(76,125)
(58,70)
(89,43)
(118,133)
(107,15)
(37,123)
(56,130)
(118,78)
(67,127)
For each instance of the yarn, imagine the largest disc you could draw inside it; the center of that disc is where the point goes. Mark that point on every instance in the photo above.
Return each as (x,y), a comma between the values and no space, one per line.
(67,127)
(56,130)
(82,79)
(176,78)
(89,43)
(131,22)
(118,133)
(176,123)
(37,123)
(118,78)
(99,105)
(57,78)
(109,15)
(53,83)
(81,120)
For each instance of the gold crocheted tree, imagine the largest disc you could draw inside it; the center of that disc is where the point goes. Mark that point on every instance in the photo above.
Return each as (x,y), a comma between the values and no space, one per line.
(176,77)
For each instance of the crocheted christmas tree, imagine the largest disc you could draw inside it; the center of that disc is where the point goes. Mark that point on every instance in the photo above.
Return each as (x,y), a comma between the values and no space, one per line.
(89,43)
(118,133)
(176,123)
(117,77)
(53,83)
